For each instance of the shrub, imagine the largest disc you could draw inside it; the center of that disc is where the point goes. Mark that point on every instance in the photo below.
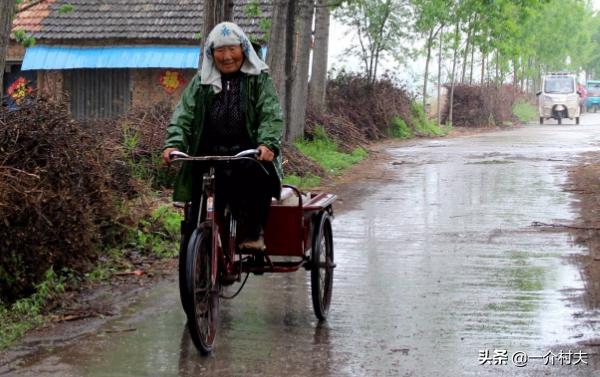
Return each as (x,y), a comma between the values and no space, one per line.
(56,204)
(400,129)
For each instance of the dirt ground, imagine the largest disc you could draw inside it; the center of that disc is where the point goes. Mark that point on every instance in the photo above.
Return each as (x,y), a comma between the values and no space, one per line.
(584,182)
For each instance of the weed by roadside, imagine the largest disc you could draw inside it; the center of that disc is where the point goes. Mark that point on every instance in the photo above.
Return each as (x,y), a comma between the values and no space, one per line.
(28,312)
(326,153)
(525,111)
(306,181)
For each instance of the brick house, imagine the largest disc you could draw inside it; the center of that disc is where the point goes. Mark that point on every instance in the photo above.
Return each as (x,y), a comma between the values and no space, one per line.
(111,55)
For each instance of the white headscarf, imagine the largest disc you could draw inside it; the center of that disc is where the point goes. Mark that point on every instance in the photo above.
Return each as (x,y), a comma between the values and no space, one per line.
(228,34)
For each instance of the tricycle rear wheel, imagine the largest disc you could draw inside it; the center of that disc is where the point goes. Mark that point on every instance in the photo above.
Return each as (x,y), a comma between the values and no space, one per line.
(322,266)
(202,301)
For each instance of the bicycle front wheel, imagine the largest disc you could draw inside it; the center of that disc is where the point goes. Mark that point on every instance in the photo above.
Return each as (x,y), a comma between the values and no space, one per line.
(203,297)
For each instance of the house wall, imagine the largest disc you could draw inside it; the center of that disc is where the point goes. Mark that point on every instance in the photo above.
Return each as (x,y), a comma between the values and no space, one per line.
(15,52)
(51,83)
(147,89)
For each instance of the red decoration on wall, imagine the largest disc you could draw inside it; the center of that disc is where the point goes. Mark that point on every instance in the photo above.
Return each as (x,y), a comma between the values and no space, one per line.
(171,81)
(19,89)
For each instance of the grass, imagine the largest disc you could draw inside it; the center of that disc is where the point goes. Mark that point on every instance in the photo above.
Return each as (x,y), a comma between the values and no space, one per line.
(307,181)
(325,152)
(423,126)
(525,111)
(159,233)
(26,313)
(400,129)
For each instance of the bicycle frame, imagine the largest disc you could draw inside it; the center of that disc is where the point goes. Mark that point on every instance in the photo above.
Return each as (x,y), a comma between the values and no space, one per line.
(211,220)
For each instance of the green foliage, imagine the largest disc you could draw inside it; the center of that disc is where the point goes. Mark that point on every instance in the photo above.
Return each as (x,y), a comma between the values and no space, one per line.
(325,152)
(253,10)
(525,111)
(158,234)
(25,313)
(306,182)
(66,8)
(422,125)
(380,25)
(24,38)
(143,167)
(400,129)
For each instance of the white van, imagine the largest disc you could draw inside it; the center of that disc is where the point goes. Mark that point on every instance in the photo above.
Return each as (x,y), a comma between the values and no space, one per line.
(558,98)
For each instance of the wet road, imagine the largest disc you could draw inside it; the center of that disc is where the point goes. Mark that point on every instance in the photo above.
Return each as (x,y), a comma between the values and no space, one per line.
(438,266)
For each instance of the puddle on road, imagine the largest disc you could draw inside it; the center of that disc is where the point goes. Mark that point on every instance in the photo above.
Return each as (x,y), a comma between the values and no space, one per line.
(434,266)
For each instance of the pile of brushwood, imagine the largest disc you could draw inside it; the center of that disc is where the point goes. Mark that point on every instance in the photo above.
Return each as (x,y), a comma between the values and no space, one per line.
(482,106)
(137,138)
(359,109)
(56,201)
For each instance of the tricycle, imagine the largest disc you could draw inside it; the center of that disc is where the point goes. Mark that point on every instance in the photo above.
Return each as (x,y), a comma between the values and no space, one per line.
(559,98)
(593,95)
(298,229)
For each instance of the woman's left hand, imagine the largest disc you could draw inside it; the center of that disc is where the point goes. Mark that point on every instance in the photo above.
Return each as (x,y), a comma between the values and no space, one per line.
(265,154)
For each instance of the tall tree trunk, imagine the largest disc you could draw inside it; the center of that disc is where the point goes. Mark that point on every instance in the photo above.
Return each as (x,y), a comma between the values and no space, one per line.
(454,58)
(439,80)
(290,61)
(472,63)
(277,49)
(318,77)
(483,58)
(466,52)
(497,71)
(425,76)
(515,72)
(7,8)
(297,112)
(214,12)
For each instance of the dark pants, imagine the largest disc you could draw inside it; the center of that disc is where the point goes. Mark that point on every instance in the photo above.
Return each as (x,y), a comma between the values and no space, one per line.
(245,189)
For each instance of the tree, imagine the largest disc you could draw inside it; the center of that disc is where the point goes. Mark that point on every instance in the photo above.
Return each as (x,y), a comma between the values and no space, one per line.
(214,12)
(318,77)
(7,8)
(431,15)
(380,28)
(299,86)
(277,47)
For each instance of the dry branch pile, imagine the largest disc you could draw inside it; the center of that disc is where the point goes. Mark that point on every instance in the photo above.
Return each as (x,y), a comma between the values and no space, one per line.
(370,107)
(295,163)
(340,129)
(482,106)
(55,199)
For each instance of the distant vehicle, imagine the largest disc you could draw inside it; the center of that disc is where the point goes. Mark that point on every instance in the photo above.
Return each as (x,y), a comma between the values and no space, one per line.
(593,95)
(558,98)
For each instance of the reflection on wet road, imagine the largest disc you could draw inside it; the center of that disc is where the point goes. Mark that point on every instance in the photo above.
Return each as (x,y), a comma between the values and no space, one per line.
(435,266)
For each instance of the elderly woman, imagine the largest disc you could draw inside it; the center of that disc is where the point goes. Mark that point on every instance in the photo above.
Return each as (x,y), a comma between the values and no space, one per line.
(231,106)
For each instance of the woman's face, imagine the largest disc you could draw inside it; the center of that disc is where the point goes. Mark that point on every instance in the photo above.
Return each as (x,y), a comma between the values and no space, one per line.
(229,59)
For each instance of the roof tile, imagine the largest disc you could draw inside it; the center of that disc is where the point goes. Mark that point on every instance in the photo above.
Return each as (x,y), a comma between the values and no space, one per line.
(128,19)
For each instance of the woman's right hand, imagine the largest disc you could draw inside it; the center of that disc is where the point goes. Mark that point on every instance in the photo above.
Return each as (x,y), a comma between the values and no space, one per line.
(166,153)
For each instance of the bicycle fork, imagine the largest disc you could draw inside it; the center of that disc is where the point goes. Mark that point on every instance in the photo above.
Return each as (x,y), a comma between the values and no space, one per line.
(209,192)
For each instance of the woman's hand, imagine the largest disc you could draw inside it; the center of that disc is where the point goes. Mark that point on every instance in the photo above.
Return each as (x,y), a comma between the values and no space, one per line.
(265,154)
(165,155)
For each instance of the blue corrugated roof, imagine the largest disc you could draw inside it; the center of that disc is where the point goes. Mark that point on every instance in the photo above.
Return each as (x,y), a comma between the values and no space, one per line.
(70,57)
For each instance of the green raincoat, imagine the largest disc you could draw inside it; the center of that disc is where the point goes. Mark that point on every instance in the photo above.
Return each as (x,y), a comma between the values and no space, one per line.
(264,122)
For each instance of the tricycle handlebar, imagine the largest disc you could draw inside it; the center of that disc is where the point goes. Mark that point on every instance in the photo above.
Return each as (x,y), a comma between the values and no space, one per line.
(248,154)
(180,156)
